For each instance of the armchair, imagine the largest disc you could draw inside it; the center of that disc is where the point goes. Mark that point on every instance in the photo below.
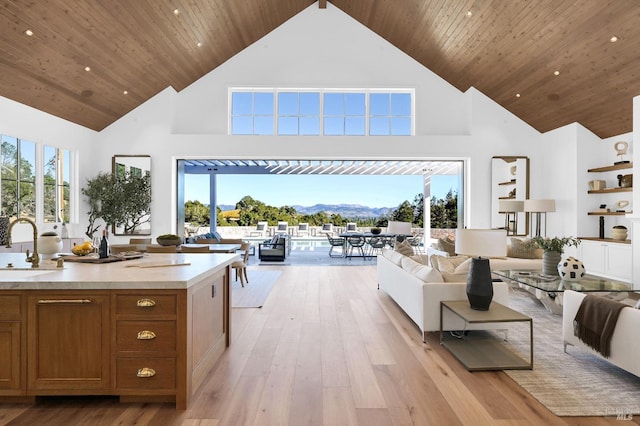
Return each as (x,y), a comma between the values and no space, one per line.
(261,230)
(274,249)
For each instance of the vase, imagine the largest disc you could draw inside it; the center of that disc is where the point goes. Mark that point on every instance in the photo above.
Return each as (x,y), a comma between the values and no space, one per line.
(550,260)
(49,245)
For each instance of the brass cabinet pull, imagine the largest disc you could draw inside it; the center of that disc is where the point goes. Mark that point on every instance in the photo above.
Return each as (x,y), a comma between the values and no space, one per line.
(71,301)
(145,303)
(146,335)
(146,372)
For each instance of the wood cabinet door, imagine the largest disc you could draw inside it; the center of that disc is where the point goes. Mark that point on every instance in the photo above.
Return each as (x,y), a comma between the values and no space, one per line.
(68,338)
(10,357)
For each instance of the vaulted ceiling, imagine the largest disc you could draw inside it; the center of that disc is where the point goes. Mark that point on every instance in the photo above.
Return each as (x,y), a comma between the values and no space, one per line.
(510,50)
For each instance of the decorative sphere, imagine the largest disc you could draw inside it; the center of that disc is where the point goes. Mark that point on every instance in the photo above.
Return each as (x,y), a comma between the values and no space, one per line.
(571,269)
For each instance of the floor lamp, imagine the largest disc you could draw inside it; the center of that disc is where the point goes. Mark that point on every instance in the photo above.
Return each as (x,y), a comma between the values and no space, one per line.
(509,208)
(480,242)
(539,207)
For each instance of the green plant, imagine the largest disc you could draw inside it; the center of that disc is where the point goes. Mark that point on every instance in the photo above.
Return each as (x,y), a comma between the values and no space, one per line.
(555,244)
(123,201)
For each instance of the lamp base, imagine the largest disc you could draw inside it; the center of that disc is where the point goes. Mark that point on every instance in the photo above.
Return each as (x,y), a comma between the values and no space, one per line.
(479,284)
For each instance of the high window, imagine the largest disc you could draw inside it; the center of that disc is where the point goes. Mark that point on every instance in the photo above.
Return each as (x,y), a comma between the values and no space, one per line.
(20,192)
(287,112)
(57,164)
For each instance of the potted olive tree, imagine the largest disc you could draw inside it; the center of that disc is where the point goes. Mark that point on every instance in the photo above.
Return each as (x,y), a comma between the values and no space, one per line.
(553,249)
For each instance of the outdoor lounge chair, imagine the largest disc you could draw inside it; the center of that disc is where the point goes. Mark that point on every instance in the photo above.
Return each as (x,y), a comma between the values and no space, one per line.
(282,228)
(352,227)
(261,230)
(303,229)
(327,229)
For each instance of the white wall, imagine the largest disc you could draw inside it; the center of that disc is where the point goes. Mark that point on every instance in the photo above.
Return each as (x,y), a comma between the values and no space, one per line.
(27,123)
(303,54)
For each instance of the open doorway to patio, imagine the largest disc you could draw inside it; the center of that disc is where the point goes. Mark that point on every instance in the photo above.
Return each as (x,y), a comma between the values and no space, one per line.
(233,196)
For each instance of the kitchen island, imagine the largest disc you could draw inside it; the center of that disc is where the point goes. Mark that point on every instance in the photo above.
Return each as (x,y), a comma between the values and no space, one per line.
(147,329)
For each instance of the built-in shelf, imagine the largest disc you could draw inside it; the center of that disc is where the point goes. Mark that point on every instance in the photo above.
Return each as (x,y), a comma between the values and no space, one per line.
(509,182)
(611,168)
(610,190)
(507,198)
(607,240)
(608,213)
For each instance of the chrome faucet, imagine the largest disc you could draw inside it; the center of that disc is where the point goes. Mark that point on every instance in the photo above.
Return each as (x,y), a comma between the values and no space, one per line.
(34,259)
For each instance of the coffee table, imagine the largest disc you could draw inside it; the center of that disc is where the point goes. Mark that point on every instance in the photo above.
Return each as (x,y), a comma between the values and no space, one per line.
(480,350)
(548,289)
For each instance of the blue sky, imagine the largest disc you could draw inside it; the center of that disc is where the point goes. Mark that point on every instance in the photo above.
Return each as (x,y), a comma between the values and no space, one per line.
(307,190)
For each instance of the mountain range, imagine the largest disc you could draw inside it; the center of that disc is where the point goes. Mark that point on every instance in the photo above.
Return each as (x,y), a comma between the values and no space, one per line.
(344,210)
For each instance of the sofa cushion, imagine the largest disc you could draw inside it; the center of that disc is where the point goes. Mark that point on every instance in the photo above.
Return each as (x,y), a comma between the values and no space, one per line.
(421,258)
(458,274)
(404,248)
(420,271)
(523,249)
(445,244)
(393,256)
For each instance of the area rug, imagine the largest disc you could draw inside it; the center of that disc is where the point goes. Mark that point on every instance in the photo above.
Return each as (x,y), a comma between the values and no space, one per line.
(576,383)
(255,292)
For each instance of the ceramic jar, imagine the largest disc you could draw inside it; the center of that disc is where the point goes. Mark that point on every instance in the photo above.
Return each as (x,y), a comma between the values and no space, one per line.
(49,243)
(619,233)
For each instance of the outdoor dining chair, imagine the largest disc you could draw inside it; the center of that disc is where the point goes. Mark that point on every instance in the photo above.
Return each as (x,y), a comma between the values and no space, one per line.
(356,243)
(336,242)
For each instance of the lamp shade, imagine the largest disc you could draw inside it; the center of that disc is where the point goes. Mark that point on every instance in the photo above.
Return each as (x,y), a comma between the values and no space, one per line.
(539,206)
(481,242)
(510,206)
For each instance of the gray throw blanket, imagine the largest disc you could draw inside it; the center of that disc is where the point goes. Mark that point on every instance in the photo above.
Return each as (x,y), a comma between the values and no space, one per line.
(595,322)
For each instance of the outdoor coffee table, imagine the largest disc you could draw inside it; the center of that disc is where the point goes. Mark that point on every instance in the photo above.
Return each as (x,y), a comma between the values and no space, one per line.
(479,350)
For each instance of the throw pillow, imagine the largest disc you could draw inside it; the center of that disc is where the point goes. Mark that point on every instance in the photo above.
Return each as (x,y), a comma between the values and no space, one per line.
(421,258)
(420,271)
(459,274)
(447,245)
(523,249)
(393,256)
(449,264)
(404,248)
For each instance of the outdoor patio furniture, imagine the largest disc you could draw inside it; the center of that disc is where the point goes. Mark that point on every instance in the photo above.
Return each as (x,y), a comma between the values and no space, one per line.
(303,229)
(376,244)
(282,228)
(355,243)
(336,242)
(274,249)
(351,227)
(261,229)
(327,229)
(416,243)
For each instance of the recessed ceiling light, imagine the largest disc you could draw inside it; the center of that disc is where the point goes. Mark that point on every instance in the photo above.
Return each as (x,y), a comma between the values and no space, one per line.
(517,95)
(613,39)
(556,72)
(199,44)
(29,32)
(176,12)
(469,13)
(125,93)
(87,69)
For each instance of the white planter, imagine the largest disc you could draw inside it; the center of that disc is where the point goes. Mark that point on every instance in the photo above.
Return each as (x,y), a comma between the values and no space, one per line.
(49,245)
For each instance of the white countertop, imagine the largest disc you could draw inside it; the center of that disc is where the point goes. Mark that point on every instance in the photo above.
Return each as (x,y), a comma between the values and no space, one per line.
(116,275)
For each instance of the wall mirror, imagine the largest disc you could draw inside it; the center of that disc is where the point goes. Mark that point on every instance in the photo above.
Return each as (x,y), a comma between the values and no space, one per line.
(133,173)
(509,189)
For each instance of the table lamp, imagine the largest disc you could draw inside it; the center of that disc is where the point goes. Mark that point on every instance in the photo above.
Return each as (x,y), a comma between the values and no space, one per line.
(480,242)
(511,207)
(538,207)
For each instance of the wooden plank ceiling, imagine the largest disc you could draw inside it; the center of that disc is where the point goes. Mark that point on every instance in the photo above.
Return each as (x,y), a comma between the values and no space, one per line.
(508,49)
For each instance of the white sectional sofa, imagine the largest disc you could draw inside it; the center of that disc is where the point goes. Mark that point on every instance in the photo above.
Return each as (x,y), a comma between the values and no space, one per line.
(420,299)
(625,345)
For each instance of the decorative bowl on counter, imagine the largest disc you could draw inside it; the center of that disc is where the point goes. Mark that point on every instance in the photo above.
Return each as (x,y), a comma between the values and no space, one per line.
(82,249)
(169,240)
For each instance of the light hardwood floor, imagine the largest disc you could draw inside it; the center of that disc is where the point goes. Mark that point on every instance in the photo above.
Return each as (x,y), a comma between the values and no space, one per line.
(327,348)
